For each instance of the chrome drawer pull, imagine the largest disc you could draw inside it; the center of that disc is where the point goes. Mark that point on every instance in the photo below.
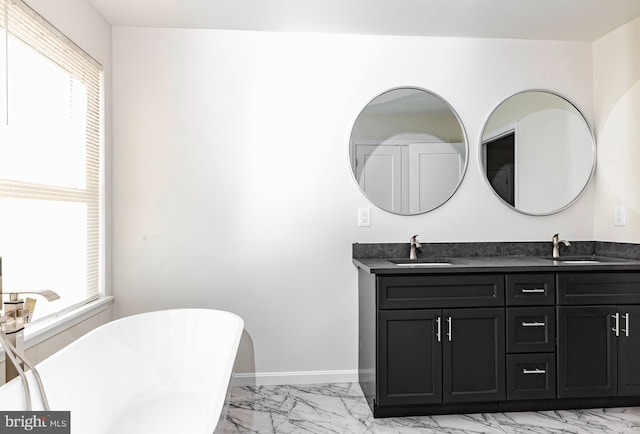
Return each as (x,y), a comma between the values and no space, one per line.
(626,324)
(449,332)
(617,327)
(439,329)
(532,290)
(533,324)
(534,371)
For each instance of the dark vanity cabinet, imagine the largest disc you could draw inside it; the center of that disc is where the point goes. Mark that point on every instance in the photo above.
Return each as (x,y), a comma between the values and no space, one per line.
(438,340)
(436,343)
(598,334)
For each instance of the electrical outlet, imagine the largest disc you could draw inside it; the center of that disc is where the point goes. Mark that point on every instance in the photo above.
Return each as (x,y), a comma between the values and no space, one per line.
(364,216)
(619,216)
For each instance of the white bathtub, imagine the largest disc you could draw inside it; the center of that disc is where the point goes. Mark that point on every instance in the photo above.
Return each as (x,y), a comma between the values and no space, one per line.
(157,372)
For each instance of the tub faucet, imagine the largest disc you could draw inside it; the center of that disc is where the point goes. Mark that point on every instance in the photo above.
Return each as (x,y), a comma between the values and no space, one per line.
(556,245)
(415,247)
(17,314)
(12,323)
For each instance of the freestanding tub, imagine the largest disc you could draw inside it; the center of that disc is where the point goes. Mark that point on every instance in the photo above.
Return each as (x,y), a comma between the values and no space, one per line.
(158,372)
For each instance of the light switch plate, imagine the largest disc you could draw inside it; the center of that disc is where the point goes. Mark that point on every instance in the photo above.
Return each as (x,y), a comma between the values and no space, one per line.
(619,216)
(364,216)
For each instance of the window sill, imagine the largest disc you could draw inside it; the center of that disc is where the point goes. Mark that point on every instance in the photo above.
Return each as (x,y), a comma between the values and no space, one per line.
(40,332)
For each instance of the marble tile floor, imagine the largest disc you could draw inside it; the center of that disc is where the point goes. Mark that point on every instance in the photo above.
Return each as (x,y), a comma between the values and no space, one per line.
(342,409)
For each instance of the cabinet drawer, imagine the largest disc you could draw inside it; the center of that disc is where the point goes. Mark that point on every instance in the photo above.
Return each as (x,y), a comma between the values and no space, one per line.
(598,288)
(422,291)
(531,329)
(531,376)
(531,290)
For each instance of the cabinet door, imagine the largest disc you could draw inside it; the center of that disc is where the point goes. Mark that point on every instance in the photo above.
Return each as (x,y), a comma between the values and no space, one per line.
(409,357)
(587,352)
(629,351)
(473,355)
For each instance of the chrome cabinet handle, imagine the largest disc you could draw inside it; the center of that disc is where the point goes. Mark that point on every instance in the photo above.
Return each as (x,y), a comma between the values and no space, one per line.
(617,326)
(533,324)
(626,324)
(534,371)
(439,329)
(449,328)
(524,290)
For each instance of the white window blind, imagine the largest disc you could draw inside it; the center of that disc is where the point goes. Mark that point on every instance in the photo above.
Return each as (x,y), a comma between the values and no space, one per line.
(50,161)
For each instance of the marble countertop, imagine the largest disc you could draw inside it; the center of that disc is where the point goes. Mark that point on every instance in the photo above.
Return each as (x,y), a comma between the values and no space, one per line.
(495,264)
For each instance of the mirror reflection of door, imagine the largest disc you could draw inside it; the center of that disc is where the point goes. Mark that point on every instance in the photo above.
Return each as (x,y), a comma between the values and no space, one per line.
(409,178)
(434,173)
(379,173)
(500,166)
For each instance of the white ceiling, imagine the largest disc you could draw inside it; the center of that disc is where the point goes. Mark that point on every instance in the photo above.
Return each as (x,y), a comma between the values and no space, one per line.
(569,20)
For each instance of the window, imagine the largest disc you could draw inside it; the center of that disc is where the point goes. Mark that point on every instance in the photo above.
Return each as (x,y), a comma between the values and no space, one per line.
(50,162)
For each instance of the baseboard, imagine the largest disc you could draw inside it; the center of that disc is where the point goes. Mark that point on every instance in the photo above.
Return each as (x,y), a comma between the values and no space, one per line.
(299,377)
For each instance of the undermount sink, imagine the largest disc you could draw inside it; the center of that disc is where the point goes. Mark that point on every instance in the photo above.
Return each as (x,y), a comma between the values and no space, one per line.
(422,262)
(579,259)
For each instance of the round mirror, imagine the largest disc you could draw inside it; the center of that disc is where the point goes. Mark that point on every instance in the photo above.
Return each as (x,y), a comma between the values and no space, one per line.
(538,152)
(408,151)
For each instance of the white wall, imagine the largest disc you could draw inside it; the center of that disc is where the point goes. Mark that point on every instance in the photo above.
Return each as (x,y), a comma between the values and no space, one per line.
(231,182)
(616,65)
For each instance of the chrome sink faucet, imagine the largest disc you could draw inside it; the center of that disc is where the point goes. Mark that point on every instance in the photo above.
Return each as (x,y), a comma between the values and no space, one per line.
(556,245)
(415,247)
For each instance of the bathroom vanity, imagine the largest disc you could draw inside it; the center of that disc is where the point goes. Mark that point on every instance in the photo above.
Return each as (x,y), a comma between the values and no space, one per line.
(498,333)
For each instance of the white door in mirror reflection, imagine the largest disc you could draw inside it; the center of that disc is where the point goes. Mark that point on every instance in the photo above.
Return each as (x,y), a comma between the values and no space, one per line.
(379,173)
(409,178)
